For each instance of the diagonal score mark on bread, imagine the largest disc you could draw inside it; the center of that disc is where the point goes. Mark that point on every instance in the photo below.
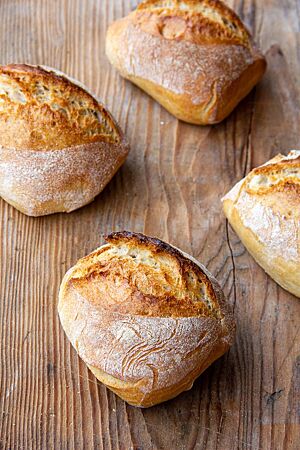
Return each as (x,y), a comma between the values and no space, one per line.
(42,109)
(194,20)
(282,175)
(142,277)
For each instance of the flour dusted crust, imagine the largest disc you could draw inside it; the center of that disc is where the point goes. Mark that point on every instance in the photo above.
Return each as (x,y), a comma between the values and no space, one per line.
(146,318)
(195,57)
(59,146)
(264,210)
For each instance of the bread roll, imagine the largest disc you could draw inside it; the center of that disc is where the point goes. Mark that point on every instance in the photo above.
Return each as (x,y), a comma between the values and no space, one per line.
(264,211)
(59,146)
(146,318)
(196,58)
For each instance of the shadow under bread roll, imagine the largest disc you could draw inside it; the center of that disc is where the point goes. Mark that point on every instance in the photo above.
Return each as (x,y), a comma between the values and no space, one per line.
(145,317)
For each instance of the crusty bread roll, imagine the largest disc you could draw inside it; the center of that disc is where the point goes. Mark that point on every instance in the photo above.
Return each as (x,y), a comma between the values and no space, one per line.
(264,210)
(195,57)
(59,146)
(146,318)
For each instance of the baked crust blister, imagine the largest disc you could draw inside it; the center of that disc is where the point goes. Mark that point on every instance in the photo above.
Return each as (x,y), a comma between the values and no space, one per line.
(196,58)
(59,146)
(146,318)
(264,210)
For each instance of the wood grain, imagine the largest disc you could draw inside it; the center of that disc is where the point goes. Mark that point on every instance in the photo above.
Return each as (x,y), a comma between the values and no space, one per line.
(170,187)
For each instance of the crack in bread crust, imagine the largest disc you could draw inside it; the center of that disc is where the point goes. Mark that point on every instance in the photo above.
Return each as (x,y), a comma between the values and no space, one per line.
(279,176)
(140,275)
(197,21)
(43,109)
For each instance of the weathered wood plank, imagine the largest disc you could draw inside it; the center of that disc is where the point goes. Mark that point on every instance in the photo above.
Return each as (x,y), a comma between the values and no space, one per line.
(170,186)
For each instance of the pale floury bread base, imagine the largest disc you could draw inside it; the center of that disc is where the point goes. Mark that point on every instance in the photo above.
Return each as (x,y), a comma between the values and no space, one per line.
(264,211)
(39,183)
(59,146)
(149,343)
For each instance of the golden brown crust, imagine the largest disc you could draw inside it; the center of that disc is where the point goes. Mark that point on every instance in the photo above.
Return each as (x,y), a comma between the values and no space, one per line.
(196,21)
(264,210)
(43,110)
(195,58)
(154,279)
(59,146)
(146,318)
(282,175)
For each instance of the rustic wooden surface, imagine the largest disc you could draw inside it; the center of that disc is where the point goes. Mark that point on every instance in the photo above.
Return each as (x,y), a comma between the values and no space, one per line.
(170,187)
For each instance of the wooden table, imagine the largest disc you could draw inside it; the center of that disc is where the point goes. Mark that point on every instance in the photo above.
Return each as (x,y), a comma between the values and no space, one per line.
(170,187)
